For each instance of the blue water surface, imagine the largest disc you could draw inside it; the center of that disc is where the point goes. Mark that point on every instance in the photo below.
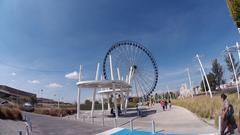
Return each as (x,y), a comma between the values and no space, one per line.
(135,132)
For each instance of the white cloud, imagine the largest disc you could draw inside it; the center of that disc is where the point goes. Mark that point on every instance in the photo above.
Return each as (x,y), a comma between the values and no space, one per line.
(54,85)
(34,81)
(13,73)
(73,75)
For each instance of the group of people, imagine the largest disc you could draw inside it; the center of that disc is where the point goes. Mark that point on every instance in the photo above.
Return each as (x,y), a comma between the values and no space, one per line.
(165,104)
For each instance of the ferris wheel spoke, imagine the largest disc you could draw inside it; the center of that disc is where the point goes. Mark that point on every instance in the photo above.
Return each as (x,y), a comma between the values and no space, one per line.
(144,85)
(140,87)
(121,61)
(136,89)
(123,55)
(148,75)
(118,60)
(135,55)
(141,91)
(128,54)
(147,81)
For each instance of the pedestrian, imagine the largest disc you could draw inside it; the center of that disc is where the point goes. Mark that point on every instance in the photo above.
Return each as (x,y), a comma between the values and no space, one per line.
(228,121)
(169,103)
(166,104)
(162,103)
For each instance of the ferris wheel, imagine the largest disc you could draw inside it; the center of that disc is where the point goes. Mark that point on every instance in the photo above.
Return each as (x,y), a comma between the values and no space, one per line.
(133,63)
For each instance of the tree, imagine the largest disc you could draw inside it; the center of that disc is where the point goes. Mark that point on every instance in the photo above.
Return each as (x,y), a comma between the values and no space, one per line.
(217,71)
(88,102)
(211,80)
(229,65)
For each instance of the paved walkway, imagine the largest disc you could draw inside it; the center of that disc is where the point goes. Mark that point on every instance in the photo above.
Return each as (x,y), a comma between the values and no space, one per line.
(176,120)
(10,127)
(47,125)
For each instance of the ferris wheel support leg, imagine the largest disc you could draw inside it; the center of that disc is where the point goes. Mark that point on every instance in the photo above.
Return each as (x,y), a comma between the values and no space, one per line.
(119,75)
(115,100)
(111,67)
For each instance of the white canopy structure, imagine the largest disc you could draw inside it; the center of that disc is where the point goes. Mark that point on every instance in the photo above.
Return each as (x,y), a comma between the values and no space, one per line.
(108,87)
(119,84)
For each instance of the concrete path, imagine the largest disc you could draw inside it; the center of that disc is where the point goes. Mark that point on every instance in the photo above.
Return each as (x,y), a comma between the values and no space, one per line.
(10,127)
(47,125)
(176,120)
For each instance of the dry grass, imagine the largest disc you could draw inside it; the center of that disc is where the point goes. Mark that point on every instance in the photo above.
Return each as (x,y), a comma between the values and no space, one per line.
(10,113)
(205,107)
(55,112)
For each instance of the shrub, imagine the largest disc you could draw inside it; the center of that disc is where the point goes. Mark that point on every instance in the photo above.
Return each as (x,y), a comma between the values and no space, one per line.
(55,111)
(10,113)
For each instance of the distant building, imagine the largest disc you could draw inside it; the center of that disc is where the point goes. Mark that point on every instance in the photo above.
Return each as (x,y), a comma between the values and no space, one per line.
(46,101)
(50,101)
(16,95)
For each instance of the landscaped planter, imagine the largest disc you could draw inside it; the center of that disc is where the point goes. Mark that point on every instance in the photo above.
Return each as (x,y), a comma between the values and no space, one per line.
(234,8)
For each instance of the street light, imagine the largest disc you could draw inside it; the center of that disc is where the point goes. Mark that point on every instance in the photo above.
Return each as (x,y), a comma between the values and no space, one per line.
(204,73)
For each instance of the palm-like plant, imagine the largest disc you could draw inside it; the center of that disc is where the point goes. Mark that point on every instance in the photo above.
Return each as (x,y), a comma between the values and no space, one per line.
(234,8)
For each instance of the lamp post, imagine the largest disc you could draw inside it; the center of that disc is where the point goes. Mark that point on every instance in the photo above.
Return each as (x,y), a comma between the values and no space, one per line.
(234,70)
(204,84)
(204,73)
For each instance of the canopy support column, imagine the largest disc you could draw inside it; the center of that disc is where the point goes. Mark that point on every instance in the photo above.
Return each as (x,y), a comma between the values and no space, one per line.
(126,102)
(102,104)
(94,93)
(79,93)
(109,108)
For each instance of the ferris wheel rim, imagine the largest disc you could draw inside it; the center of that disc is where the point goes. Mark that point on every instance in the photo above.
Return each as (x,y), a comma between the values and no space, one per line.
(142,48)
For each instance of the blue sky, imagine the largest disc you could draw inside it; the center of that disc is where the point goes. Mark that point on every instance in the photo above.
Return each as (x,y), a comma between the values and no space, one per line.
(43,40)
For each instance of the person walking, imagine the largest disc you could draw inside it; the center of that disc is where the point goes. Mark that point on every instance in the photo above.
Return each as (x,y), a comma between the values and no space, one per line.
(224,110)
(166,104)
(169,103)
(228,120)
(162,103)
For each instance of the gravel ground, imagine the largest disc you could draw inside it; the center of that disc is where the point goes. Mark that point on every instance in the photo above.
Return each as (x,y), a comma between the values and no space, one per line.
(10,127)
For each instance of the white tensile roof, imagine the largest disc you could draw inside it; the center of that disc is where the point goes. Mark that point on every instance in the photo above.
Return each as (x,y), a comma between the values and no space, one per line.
(104,84)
